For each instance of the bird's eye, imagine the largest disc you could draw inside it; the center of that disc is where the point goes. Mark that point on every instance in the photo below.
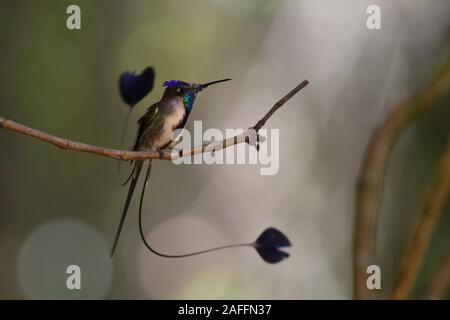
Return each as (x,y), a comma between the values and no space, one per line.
(179,90)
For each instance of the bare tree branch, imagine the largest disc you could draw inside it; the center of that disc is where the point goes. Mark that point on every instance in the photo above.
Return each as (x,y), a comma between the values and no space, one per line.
(435,199)
(373,168)
(141,155)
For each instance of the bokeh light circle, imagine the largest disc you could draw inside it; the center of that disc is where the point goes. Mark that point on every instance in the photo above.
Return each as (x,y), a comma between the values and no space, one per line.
(55,245)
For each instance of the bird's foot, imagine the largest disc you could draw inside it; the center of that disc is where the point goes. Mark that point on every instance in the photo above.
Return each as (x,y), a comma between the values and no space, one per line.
(161,153)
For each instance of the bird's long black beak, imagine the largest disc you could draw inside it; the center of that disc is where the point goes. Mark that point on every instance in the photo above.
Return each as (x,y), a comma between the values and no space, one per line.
(213,82)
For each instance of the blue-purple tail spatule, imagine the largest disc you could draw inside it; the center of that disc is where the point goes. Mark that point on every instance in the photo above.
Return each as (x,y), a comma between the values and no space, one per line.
(133,88)
(269,243)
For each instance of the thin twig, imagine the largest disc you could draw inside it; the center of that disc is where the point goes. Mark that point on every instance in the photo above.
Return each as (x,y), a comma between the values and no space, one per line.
(373,168)
(141,155)
(435,199)
(277,105)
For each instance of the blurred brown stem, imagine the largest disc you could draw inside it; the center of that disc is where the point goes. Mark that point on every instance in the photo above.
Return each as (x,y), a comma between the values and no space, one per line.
(435,199)
(373,168)
(141,155)
(439,283)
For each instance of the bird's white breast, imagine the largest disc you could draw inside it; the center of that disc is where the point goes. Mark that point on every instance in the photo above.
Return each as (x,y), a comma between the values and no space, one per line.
(172,120)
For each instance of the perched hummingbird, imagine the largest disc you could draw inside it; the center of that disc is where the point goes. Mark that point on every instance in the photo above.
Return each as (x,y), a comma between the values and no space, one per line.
(156,127)
(155,132)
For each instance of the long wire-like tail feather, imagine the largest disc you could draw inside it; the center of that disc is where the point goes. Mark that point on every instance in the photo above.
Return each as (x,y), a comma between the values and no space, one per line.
(129,177)
(134,180)
(124,130)
(141,231)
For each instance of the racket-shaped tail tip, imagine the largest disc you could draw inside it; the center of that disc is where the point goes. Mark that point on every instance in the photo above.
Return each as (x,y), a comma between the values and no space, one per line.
(269,243)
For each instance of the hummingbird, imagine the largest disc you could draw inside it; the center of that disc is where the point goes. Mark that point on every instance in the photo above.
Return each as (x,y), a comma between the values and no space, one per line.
(156,129)
(155,132)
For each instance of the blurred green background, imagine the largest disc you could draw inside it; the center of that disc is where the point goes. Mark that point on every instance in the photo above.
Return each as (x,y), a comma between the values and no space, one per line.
(59,208)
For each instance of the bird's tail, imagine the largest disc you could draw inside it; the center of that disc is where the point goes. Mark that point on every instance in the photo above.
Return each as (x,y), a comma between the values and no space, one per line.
(124,130)
(267,244)
(141,230)
(135,176)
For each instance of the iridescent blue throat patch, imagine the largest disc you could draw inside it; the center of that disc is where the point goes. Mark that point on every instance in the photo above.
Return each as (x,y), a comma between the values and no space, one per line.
(189,99)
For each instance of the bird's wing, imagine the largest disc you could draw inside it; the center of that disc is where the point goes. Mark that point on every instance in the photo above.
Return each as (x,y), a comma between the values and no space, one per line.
(149,124)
